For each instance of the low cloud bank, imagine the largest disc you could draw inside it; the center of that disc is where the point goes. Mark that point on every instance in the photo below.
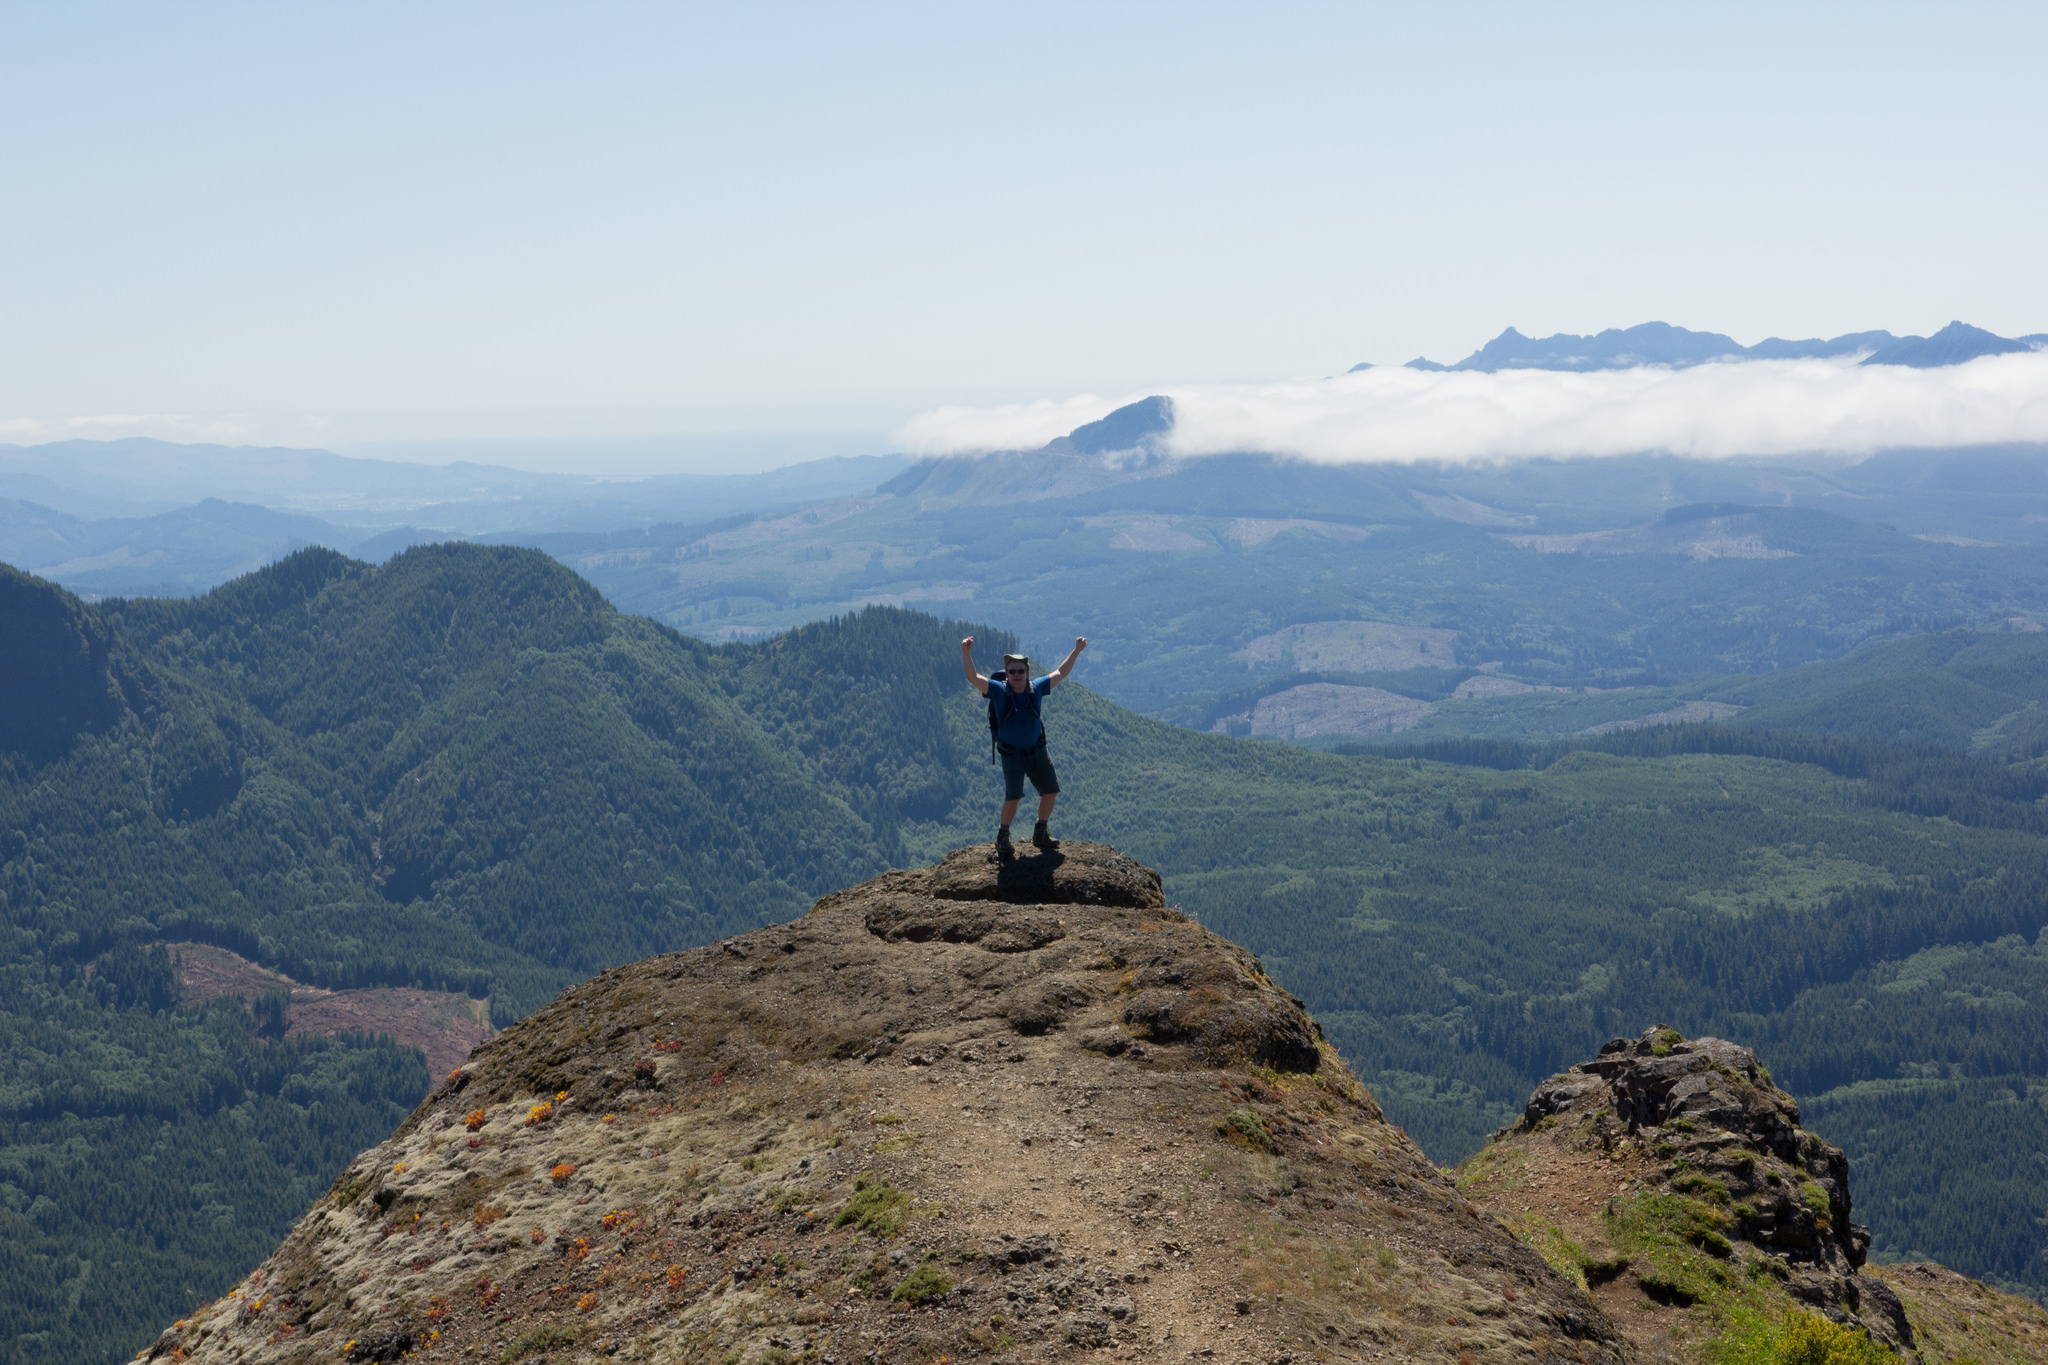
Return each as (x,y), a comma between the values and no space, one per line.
(1394,415)
(120,426)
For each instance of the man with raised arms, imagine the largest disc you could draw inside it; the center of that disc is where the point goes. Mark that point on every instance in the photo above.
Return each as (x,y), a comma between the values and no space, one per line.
(1019,731)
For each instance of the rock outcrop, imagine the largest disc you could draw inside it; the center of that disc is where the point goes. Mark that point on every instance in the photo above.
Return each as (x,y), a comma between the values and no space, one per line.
(1709,1108)
(1671,1176)
(980,1110)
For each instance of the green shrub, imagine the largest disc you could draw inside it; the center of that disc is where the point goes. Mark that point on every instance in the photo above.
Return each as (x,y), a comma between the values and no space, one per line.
(1797,1337)
(922,1285)
(1703,1186)
(545,1337)
(1816,1198)
(876,1207)
(795,1197)
(1245,1128)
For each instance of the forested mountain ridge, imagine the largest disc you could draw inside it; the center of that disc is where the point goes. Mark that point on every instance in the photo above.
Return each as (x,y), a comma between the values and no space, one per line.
(527,786)
(478,715)
(462,770)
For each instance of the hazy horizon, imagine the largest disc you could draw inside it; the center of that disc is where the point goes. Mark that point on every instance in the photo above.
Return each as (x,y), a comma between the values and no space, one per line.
(337,227)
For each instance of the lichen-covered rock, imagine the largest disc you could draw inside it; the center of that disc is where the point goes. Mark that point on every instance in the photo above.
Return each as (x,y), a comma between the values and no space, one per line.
(979,1110)
(1674,1170)
(1715,1108)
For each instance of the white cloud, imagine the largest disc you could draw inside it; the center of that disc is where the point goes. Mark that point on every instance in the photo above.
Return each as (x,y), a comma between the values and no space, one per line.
(1389,414)
(1012,426)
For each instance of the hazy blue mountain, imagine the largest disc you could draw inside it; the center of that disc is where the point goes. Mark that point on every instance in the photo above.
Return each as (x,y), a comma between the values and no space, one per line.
(170,554)
(461,499)
(1659,343)
(1952,345)
(1648,343)
(318,481)
(89,504)
(188,518)
(1813,348)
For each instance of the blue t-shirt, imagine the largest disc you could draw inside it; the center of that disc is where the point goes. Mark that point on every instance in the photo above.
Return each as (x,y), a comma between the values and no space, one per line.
(1018,724)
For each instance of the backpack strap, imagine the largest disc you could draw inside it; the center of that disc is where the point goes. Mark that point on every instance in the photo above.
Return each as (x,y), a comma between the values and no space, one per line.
(996,707)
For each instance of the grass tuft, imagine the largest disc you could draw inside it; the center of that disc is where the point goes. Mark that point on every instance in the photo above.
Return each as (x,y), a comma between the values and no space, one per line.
(1245,1128)
(922,1285)
(877,1207)
(545,1337)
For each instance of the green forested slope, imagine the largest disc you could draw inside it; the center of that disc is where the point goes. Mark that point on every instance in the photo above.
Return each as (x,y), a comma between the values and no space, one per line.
(519,758)
(1964,690)
(463,769)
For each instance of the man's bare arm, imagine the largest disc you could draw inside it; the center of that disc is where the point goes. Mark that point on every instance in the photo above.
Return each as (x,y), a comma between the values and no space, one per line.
(1059,675)
(974,679)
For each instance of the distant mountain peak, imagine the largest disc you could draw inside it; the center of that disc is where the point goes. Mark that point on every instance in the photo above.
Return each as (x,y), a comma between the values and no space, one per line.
(1131,427)
(1952,345)
(1661,343)
(1647,343)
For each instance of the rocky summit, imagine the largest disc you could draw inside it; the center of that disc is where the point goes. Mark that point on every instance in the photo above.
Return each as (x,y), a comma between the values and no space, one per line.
(1018,1110)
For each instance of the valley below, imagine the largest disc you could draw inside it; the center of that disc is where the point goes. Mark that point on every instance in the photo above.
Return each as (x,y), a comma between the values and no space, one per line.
(278,857)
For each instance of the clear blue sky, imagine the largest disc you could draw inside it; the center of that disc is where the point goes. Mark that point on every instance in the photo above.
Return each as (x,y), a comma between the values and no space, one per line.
(343,223)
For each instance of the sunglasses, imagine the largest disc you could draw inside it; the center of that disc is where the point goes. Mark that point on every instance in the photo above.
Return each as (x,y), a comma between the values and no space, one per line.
(1016,672)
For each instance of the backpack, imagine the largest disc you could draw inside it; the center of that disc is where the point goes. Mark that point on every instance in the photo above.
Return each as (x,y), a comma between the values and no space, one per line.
(999,706)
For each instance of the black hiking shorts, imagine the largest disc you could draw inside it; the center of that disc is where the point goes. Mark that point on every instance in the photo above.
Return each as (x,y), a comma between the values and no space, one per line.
(1019,764)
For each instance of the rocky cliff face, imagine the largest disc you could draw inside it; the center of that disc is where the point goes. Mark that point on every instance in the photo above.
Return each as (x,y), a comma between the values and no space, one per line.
(1708,1107)
(980,1110)
(1671,1176)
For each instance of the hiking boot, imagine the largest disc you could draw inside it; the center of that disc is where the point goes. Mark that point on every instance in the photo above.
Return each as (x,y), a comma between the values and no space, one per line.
(1004,849)
(1041,836)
